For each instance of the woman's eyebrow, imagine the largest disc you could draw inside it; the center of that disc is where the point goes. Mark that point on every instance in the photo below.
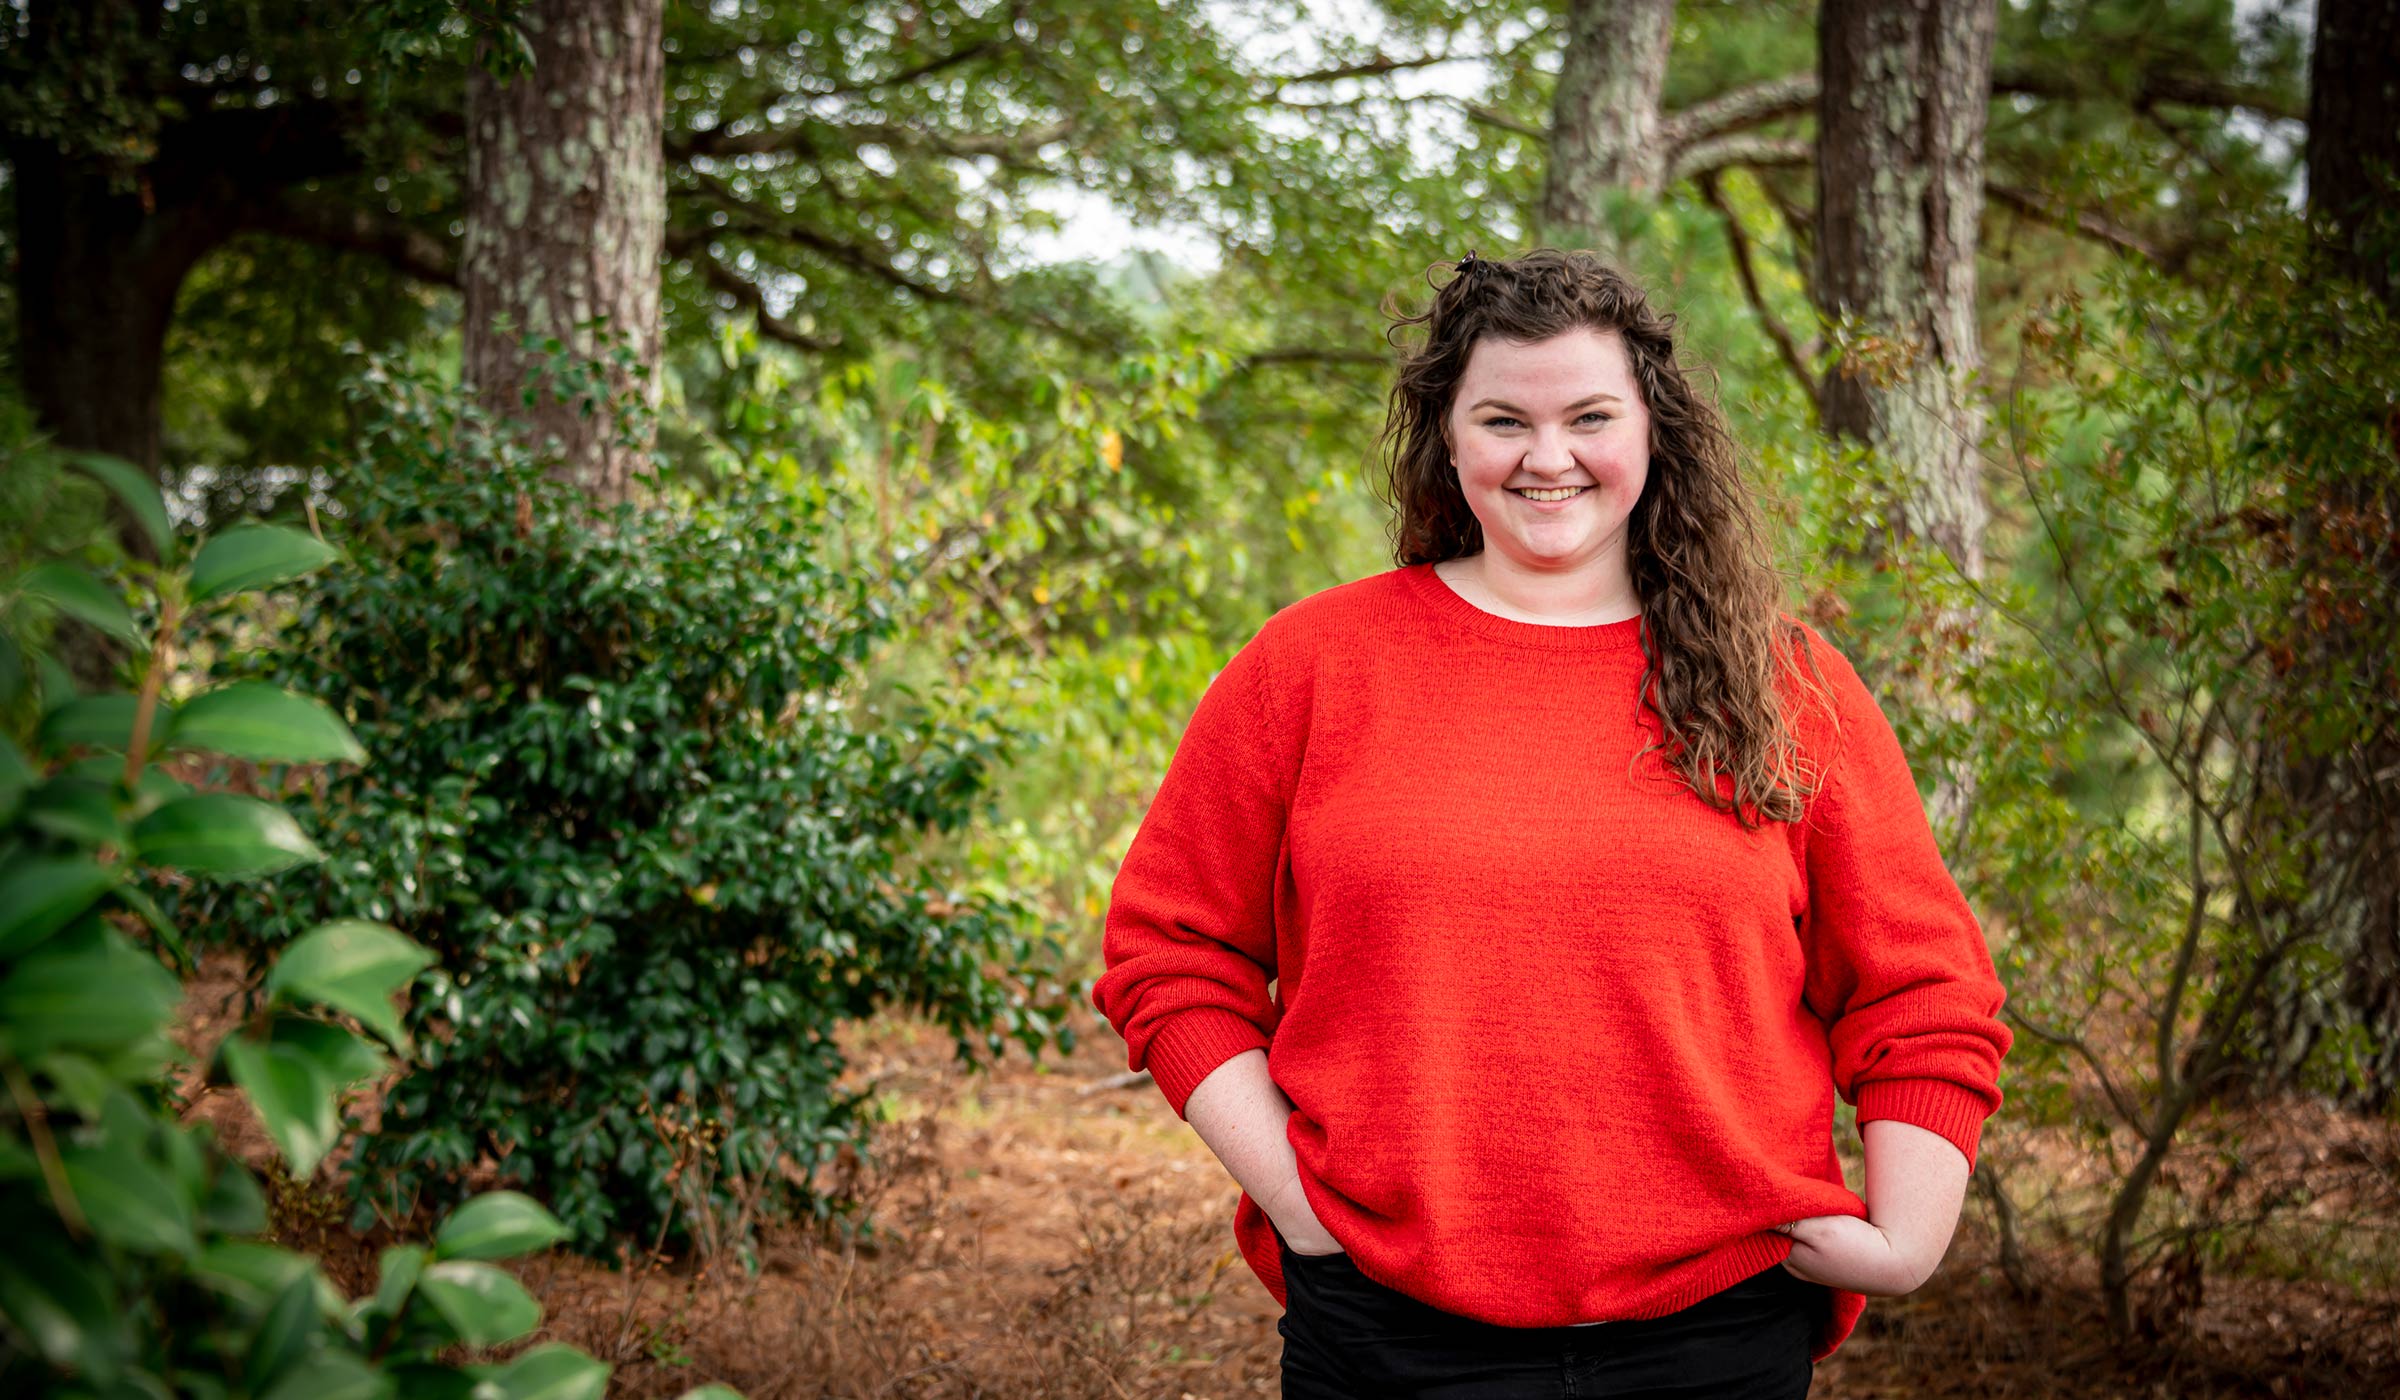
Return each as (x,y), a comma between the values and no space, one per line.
(1503,403)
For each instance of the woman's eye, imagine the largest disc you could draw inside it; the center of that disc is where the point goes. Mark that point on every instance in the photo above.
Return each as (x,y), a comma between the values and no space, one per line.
(1497,421)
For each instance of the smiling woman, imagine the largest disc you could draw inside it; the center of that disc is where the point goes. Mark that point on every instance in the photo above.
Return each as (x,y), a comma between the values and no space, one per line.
(1542,1103)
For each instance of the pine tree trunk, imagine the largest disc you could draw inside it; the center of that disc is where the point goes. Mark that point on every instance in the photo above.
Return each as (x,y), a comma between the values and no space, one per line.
(1900,124)
(1608,160)
(566,216)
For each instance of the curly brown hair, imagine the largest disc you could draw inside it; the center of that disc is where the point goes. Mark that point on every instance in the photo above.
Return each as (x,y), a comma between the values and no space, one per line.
(1715,639)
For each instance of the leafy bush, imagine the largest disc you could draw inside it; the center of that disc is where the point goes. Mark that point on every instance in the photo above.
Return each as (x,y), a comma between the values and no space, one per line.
(133,1265)
(620,789)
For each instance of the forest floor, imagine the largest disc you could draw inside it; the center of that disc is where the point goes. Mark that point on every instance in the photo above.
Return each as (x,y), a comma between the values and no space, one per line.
(1047,1238)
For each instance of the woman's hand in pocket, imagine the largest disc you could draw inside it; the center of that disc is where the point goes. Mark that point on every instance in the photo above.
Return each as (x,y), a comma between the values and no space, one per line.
(1297,1220)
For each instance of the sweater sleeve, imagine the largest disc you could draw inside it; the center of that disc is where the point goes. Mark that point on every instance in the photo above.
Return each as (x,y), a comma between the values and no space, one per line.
(1897,965)
(1189,940)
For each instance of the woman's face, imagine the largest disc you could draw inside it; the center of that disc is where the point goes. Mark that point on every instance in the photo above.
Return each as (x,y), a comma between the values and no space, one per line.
(1558,413)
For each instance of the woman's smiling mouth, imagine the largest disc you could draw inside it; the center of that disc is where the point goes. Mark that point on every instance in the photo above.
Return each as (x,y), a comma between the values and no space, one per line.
(1549,494)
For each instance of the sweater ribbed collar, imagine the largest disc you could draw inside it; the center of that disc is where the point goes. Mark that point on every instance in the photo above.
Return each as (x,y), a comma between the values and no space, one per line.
(1444,602)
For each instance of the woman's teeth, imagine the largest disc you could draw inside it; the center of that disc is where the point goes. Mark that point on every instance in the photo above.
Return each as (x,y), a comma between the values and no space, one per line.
(1559,494)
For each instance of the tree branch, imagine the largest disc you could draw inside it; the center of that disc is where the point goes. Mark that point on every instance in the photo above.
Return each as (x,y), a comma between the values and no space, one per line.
(746,293)
(330,223)
(1739,109)
(1719,153)
(1793,357)
(2082,221)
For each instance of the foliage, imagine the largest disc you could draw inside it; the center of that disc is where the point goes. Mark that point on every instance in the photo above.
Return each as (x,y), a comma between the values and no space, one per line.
(623,789)
(135,1264)
(2204,609)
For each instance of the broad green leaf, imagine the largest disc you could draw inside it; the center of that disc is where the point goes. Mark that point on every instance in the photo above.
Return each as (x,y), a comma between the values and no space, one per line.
(552,1371)
(250,1272)
(332,1375)
(137,899)
(255,556)
(234,1204)
(222,833)
(137,490)
(43,894)
(12,670)
(88,990)
(352,965)
(711,1391)
(497,1225)
(483,1305)
(76,593)
(131,1201)
(400,1266)
(58,1298)
(284,1335)
(346,1056)
(78,1081)
(251,719)
(294,1095)
(15,774)
(96,721)
(76,809)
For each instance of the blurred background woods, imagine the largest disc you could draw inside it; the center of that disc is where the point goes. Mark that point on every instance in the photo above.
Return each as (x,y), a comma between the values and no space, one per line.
(785,472)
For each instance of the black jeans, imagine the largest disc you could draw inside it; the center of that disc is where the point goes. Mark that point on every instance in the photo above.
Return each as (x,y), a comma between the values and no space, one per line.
(1347,1337)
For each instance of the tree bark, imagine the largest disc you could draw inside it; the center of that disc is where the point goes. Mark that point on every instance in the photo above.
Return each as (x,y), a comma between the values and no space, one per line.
(1900,125)
(1608,152)
(566,218)
(2354,131)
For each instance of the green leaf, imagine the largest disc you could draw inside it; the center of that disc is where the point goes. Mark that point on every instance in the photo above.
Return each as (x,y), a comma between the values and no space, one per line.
(88,990)
(15,775)
(58,1298)
(131,1201)
(711,1391)
(77,809)
(137,490)
(234,1205)
(332,1375)
(222,833)
(252,719)
(97,721)
(552,1371)
(497,1225)
(76,593)
(482,1304)
(352,965)
(294,1095)
(43,894)
(255,556)
(344,1055)
(284,1336)
(250,1272)
(400,1266)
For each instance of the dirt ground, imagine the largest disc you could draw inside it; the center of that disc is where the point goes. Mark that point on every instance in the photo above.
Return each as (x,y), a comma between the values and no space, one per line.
(1052,1238)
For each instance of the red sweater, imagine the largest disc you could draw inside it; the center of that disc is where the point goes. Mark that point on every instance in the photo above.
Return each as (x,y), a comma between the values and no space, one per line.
(1561,1041)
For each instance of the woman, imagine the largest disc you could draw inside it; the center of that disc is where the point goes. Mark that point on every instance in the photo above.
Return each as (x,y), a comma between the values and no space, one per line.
(1586,877)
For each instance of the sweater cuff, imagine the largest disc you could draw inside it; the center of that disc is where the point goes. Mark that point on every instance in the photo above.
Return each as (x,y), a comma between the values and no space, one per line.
(1936,1105)
(1188,1048)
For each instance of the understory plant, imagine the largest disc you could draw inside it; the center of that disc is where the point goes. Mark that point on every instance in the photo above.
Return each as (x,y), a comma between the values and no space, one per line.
(137,1261)
(626,792)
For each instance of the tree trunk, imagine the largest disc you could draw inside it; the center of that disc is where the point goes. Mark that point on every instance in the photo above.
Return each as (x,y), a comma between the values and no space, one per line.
(1900,122)
(1608,155)
(566,217)
(2354,128)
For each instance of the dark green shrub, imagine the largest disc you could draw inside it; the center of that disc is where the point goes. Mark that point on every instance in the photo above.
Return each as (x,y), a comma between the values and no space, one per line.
(621,790)
(133,1266)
